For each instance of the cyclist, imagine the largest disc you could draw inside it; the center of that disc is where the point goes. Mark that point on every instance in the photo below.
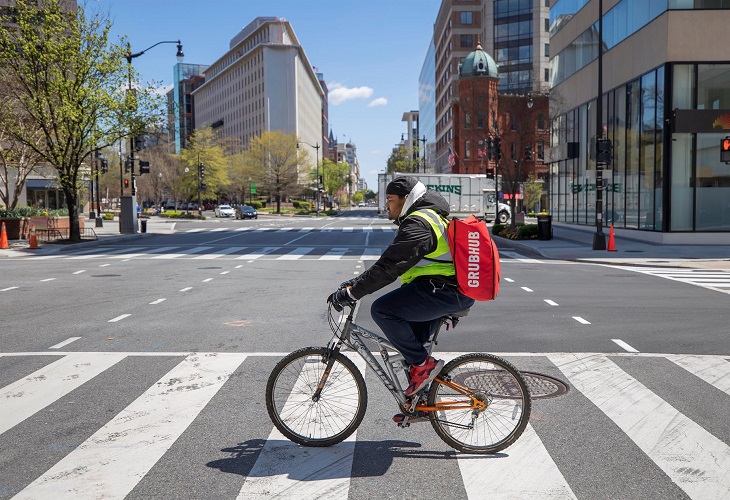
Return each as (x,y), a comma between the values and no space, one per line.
(420,255)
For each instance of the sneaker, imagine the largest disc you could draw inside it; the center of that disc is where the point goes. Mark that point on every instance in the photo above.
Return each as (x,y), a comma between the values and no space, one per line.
(421,416)
(421,376)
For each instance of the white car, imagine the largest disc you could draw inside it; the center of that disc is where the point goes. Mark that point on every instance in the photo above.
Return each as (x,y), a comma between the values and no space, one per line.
(224,211)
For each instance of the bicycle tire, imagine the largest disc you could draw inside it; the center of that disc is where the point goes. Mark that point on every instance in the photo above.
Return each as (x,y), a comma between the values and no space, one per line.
(495,381)
(331,419)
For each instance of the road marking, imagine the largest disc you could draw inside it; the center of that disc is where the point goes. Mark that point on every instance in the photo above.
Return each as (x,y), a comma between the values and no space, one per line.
(581,320)
(119,318)
(220,253)
(714,371)
(49,279)
(295,254)
(65,342)
(239,266)
(327,470)
(334,254)
(259,254)
(25,397)
(526,289)
(79,272)
(225,272)
(207,280)
(693,458)
(550,302)
(8,289)
(509,280)
(158,301)
(186,289)
(112,461)
(182,253)
(105,265)
(624,345)
(526,469)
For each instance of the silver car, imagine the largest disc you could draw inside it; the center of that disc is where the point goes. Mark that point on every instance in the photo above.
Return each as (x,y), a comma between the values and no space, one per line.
(224,211)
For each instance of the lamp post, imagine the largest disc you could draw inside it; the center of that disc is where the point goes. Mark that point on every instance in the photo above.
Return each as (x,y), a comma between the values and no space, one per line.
(129,58)
(316,146)
(423,154)
(599,238)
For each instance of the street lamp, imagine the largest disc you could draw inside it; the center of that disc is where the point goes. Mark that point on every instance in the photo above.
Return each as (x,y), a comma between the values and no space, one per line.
(423,153)
(316,146)
(129,58)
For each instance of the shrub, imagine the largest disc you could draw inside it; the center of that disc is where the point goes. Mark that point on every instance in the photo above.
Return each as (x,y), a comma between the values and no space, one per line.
(256,204)
(497,228)
(22,212)
(331,212)
(520,232)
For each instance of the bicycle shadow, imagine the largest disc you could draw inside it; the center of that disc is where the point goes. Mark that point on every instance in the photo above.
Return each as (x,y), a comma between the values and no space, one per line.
(266,458)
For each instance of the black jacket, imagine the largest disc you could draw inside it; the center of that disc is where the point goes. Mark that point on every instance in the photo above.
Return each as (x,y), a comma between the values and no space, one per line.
(413,240)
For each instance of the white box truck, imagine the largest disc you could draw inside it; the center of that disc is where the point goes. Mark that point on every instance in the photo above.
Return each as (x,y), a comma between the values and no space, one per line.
(466,194)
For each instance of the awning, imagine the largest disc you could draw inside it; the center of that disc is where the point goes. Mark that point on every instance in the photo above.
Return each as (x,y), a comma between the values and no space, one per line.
(42,184)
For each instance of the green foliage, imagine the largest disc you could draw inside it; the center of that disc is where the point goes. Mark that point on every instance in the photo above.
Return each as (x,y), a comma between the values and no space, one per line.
(533,191)
(204,147)
(519,232)
(22,212)
(403,159)
(303,205)
(334,175)
(274,158)
(256,204)
(331,212)
(498,228)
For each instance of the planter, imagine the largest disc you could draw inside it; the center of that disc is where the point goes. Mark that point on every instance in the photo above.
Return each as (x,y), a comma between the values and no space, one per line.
(19,229)
(16,229)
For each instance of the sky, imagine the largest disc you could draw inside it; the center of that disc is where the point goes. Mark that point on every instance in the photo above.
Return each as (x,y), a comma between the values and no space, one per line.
(371,53)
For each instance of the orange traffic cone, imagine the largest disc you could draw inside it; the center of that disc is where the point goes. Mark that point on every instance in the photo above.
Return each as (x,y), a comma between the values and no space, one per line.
(33,241)
(611,242)
(3,238)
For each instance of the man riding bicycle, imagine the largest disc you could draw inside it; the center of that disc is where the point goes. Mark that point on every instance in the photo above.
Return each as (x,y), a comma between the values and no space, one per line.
(420,255)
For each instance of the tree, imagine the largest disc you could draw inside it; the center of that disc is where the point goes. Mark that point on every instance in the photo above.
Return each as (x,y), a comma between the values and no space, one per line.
(274,159)
(334,176)
(17,161)
(533,191)
(404,159)
(204,148)
(64,86)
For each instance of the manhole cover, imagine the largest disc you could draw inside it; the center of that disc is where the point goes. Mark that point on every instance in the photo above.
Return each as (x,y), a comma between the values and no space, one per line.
(544,386)
(105,275)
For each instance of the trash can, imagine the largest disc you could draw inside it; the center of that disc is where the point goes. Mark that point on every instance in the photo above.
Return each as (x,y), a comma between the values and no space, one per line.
(143,224)
(544,227)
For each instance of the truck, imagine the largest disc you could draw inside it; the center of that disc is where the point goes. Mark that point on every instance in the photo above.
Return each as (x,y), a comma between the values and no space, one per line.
(466,194)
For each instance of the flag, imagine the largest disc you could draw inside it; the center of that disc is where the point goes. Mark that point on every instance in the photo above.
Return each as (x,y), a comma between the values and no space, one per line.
(452,158)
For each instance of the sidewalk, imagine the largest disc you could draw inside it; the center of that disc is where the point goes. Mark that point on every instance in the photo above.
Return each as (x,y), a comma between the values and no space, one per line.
(575,243)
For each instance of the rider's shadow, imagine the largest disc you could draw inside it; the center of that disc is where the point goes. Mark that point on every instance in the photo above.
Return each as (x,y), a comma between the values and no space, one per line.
(264,458)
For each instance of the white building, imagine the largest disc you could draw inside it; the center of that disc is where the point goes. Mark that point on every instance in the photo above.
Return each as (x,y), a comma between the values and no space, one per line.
(264,82)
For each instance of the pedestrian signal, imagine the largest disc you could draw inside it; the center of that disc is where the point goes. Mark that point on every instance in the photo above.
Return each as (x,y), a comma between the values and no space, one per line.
(725,150)
(126,183)
(144,167)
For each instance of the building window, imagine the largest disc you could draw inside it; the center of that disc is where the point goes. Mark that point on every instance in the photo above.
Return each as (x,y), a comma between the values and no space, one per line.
(513,150)
(467,120)
(467,153)
(466,17)
(480,118)
(547,50)
(467,40)
(547,74)
(540,121)
(547,25)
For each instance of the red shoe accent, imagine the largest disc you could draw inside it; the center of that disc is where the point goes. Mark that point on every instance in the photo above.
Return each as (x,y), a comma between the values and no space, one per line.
(421,376)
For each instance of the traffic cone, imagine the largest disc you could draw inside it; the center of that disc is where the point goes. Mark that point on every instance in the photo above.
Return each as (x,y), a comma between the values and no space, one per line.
(33,241)
(611,242)
(3,238)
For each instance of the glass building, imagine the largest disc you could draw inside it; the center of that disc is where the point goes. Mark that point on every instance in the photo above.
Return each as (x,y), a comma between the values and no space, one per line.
(427,108)
(665,109)
(186,78)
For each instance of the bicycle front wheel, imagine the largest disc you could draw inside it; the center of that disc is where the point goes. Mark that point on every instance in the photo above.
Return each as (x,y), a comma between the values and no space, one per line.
(316,421)
(496,383)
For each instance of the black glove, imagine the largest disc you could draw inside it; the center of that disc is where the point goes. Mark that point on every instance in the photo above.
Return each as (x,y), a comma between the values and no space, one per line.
(340,299)
(347,284)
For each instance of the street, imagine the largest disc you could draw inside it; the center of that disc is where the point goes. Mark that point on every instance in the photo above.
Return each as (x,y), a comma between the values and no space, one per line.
(137,369)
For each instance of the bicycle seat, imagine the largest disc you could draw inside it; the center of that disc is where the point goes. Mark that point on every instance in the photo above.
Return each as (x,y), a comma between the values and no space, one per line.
(459,314)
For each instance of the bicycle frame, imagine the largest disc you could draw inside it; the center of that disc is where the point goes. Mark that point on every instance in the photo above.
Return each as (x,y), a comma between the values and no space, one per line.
(352,335)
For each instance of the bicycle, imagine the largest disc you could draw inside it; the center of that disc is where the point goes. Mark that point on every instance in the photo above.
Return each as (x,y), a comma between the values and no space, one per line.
(316,396)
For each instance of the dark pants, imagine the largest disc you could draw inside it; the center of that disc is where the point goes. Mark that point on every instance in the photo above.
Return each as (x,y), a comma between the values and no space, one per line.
(409,314)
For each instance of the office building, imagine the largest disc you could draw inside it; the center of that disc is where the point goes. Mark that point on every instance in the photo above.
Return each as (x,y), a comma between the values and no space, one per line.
(427,110)
(263,82)
(665,99)
(186,78)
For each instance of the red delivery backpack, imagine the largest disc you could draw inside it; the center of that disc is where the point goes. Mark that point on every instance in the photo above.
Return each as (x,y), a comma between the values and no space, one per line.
(475,257)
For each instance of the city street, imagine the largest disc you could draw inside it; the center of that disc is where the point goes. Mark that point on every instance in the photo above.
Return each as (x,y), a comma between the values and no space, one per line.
(136,368)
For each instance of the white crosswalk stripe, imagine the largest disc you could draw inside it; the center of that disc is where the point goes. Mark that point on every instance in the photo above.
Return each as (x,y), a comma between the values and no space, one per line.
(367,229)
(110,461)
(712,279)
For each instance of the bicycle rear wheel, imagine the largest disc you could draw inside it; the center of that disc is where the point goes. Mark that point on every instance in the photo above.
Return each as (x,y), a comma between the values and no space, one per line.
(495,382)
(331,418)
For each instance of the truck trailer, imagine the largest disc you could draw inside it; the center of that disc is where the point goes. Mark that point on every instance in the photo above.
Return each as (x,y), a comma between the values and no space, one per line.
(466,194)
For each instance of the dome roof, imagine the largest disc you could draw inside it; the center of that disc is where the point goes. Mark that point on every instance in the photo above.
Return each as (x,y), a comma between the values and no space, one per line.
(478,63)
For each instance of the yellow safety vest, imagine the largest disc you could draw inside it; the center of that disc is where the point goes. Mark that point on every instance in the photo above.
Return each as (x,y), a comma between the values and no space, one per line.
(438,262)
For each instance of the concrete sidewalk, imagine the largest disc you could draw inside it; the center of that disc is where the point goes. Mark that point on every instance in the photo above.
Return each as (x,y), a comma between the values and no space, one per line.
(575,243)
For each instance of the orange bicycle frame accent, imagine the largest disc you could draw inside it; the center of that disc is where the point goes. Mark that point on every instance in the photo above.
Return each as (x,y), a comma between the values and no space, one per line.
(473,403)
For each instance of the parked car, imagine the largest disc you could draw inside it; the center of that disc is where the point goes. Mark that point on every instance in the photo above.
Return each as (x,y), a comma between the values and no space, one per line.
(224,211)
(246,212)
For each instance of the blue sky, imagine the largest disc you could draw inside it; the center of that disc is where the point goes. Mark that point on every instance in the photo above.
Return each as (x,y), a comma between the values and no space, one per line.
(370,52)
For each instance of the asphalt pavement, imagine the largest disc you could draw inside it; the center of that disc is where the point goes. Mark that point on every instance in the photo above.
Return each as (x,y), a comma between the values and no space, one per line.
(568,242)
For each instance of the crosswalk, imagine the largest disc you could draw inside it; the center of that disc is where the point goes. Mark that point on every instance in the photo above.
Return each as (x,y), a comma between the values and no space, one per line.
(254,230)
(712,279)
(163,415)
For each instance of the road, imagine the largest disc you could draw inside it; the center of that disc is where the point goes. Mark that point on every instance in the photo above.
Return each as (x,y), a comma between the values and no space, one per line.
(137,369)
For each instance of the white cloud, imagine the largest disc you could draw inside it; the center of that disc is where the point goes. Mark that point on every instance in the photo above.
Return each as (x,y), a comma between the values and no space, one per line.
(339,93)
(380,101)
(164,89)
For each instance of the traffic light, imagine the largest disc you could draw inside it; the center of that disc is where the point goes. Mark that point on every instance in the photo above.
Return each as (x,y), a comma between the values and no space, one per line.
(127,166)
(603,152)
(144,167)
(201,170)
(126,183)
(104,165)
(528,153)
(725,150)
(490,149)
(497,148)
(138,142)
(490,173)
